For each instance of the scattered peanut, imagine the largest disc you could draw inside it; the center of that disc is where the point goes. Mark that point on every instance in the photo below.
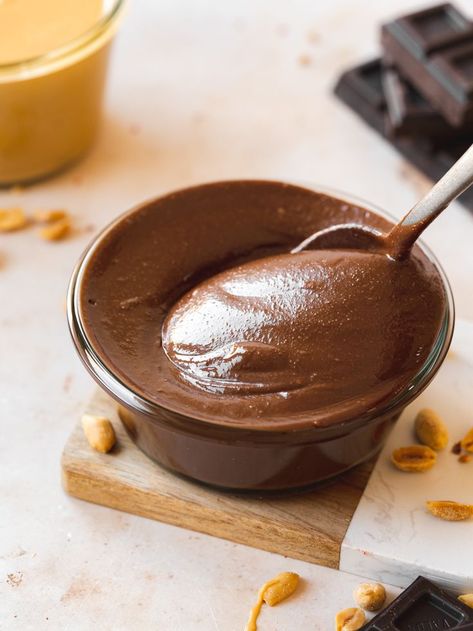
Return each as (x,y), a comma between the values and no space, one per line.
(286,585)
(99,432)
(451,511)
(370,596)
(350,619)
(467,442)
(431,430)
(48,216)
(414,458)
(465,458)
(12,219)
(466,599)
(272,593)
(56,230)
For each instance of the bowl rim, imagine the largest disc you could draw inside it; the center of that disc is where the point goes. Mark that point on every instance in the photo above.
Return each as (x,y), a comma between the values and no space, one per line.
(70,52)
(137,402)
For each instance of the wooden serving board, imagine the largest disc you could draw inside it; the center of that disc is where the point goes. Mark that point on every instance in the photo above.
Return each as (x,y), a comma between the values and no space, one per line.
(308,526)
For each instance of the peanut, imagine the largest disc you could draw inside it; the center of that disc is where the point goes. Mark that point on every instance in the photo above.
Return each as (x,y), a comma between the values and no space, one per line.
(350,619)
(451,511)
(12,219)
(56,230)
(431,430)
(48,216)
(99,432)
(414,458)
(467,442)
(370,596)
(465,458)
(272,593)
(286,584)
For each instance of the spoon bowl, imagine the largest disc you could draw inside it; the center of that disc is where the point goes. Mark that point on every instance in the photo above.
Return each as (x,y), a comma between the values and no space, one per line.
(349,235)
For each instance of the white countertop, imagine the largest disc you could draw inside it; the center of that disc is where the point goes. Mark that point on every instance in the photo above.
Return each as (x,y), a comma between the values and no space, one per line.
(199,90)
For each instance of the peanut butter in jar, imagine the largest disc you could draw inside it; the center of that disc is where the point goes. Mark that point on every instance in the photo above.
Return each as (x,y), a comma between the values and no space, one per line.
(53,63)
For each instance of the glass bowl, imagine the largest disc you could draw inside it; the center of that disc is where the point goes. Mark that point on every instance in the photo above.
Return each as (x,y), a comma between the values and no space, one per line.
(250,456)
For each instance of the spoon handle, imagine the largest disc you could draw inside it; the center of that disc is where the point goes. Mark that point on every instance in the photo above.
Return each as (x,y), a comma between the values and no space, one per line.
(451,185)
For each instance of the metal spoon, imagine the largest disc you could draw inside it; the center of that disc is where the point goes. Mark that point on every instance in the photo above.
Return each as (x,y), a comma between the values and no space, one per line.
(398,242)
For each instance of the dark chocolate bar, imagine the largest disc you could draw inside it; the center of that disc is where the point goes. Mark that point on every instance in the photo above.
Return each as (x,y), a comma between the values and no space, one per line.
(410,114)
(362,90)
(422,607)
(434,50)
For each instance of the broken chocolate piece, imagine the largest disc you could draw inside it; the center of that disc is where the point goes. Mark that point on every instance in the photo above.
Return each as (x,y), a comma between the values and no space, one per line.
(410,114)
(370,105)
(362,89)
(422,607)
(434,50)
(433,29)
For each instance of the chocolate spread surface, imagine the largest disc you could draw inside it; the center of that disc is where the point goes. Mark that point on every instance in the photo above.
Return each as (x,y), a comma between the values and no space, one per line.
(195,302)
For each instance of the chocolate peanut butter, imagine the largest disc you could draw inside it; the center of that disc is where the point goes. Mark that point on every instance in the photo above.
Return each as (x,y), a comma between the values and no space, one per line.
(195,302)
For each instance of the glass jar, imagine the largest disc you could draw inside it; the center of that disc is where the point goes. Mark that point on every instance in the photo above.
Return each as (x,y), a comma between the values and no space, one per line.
(50,105)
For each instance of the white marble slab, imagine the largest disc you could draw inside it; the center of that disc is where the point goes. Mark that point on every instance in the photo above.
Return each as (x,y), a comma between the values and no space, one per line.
(392,537)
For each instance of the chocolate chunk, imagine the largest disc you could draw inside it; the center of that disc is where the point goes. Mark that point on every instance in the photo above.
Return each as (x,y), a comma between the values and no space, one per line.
(434,29)
(434,50)
(361,88)
(410,114)
(422,607)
